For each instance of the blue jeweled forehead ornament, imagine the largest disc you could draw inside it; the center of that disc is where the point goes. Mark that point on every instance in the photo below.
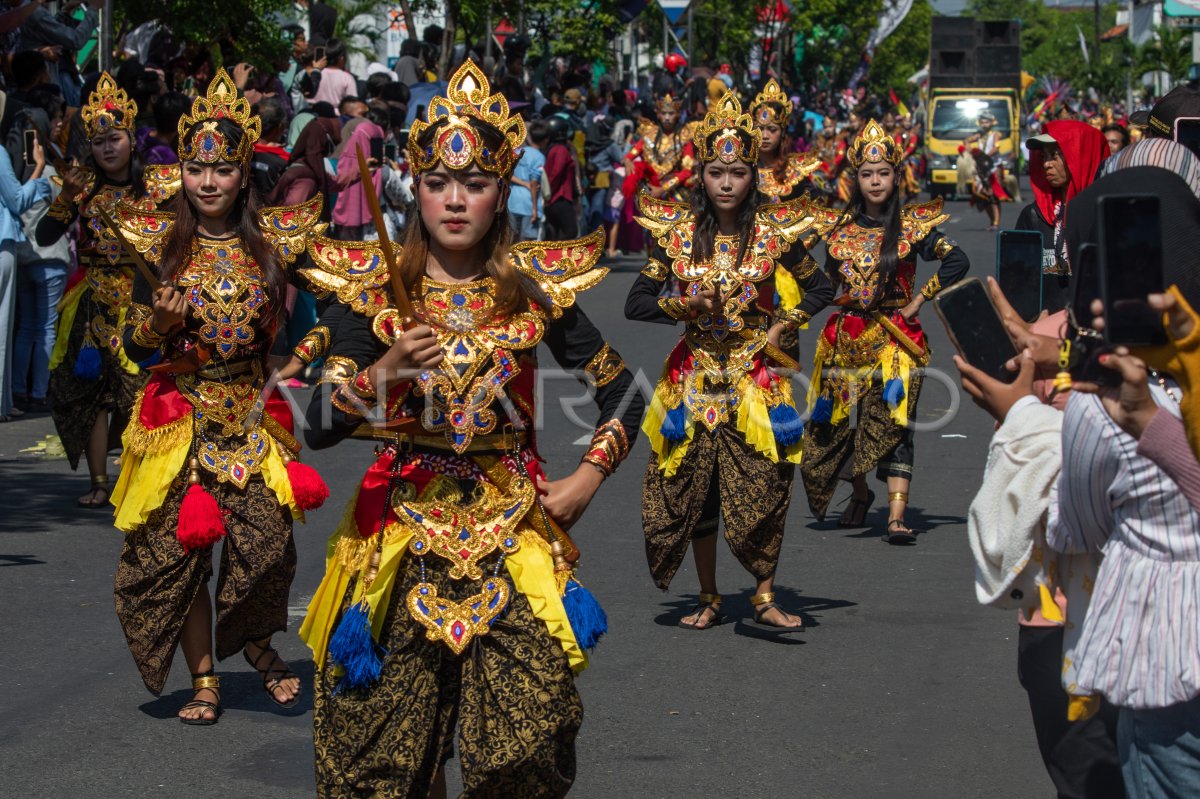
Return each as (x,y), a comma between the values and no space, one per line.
(207,144)
(727,134)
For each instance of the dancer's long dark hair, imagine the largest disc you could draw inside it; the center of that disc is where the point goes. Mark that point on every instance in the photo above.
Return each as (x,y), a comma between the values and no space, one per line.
(704,237)
(244,221)
(889,248)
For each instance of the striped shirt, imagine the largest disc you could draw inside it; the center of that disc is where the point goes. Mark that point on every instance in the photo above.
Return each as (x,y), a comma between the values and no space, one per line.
(1140,643)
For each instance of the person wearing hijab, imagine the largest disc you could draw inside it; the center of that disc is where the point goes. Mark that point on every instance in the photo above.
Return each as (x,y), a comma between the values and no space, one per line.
(1063,161)
(351,214)
(305,175)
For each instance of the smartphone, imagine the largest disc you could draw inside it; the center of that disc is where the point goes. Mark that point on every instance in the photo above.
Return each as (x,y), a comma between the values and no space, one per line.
(1131,267)
(1187,133)
(188,84)
(318,54)
(1087,285)
(1019,270)
(976,329)
(377,150)
(30,141)
(389,151)
(1088,345)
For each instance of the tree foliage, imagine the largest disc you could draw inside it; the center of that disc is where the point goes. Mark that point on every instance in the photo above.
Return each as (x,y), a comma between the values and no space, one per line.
(245,30)
(903,53)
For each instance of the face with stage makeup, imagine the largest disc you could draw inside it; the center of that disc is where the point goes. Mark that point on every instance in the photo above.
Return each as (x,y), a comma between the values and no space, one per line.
(459,207)
(211,183)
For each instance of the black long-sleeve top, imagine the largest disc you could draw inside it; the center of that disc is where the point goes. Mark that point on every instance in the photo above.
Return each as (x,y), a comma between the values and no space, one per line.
(573,340)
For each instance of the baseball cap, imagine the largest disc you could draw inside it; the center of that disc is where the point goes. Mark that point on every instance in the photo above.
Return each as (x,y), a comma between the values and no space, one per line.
(1039,141)
(1179,102)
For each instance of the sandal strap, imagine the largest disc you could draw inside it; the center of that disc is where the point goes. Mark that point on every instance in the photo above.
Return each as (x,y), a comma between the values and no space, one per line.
(763,599)
(204,704)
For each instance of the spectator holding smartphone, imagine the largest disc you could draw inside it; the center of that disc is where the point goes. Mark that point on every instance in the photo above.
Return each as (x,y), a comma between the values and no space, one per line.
(15,199)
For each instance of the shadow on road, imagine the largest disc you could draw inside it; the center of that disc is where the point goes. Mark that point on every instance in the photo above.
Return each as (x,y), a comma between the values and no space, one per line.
(875,523)
(47,501)
(736,608)
(241,690)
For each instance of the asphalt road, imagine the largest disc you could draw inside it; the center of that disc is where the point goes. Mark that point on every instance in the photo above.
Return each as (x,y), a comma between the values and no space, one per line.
(902,687)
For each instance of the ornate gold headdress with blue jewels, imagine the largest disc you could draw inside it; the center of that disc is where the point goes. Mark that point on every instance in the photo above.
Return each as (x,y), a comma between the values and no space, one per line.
(456,143)
(732,132)
(108,108)
(771,106)
(207,144)
(874,146)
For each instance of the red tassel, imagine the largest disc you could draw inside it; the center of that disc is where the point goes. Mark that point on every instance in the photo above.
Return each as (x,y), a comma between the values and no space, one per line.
(200,521)
(308,488)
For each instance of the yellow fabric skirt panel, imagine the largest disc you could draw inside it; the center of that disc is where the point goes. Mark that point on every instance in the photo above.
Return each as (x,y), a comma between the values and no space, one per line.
(151,459)
(669,455)
(754,421)
(68,306)
(348,555)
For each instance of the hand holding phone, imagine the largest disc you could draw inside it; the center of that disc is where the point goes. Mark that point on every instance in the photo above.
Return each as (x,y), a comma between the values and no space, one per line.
(1019,270)
(976,329)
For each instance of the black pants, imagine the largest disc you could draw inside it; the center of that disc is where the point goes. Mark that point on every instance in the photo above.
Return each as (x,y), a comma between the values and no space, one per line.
(1080,756)
(561,222)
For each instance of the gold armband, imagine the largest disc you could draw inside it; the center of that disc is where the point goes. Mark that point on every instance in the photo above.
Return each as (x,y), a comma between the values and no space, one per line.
(62,209)
(655,270)
(675,308)
(338,371)
(609,447)
(932,288)
(314,345)
(943,248)
(144,335)
(795,318)
(605,366)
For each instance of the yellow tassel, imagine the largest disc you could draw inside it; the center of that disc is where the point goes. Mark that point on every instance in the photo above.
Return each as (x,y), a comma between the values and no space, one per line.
(1062,380)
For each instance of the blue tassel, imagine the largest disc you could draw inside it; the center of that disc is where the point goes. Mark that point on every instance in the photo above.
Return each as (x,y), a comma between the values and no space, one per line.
(893,392)
(674,426)
(353,648)
(822,412)
(87,362)
(585,615)
(786,424)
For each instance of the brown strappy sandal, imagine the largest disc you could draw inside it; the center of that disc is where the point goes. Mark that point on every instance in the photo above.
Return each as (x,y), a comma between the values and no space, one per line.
(273,677)
(204,682)
(711,602)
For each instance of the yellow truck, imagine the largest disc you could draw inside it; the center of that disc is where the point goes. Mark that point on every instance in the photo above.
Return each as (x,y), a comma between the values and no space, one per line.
(953,115)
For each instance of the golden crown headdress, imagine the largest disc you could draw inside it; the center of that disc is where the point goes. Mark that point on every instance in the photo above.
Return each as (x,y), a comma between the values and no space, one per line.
(108,108)
(771,106)
(207,144)
(732,132)
(874,146)
(456,143)
(667,102)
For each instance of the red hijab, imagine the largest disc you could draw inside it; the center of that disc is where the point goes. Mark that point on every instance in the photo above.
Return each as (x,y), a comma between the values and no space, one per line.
(1084,150)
